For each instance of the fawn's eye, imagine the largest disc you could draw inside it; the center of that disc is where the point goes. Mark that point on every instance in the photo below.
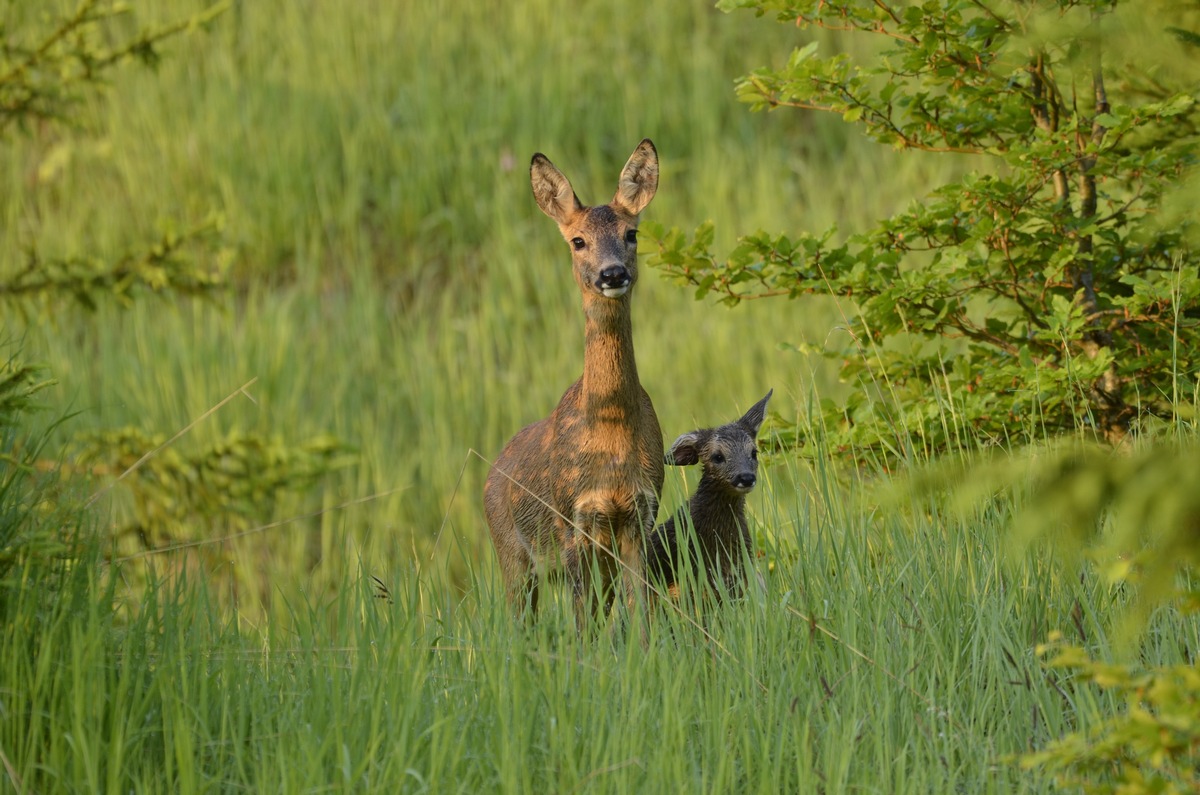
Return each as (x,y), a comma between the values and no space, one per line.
(718,458)
(578,243)
(631,236)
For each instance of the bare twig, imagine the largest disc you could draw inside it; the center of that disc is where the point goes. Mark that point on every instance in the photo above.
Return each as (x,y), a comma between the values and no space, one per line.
(239,391)
(13,775)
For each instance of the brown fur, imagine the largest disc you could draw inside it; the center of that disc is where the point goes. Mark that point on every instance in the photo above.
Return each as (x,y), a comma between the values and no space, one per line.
(717,511)
(583,484)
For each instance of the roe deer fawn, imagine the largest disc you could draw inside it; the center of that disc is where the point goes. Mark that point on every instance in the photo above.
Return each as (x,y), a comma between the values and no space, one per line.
(580,488)
(717,510)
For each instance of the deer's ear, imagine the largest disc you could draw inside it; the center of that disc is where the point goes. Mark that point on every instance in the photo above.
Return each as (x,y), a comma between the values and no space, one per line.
(685,451)
(752,420)
(552,191)
(639,179)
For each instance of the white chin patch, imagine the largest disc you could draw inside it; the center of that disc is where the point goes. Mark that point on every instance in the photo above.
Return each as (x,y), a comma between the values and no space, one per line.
(615,292)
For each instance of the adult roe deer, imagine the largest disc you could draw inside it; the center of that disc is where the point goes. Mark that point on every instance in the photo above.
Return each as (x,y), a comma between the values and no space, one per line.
(580,488)
(717,510)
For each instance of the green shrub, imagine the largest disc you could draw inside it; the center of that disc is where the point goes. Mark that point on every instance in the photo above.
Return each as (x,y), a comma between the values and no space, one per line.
(1151,746)
(1054,286)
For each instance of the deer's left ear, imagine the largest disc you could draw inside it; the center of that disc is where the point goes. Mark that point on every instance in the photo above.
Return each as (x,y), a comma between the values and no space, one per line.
(685,451)
(752,420)
(639,179)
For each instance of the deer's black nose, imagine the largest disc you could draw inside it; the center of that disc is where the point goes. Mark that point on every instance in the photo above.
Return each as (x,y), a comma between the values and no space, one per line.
(746,480)
(614,277)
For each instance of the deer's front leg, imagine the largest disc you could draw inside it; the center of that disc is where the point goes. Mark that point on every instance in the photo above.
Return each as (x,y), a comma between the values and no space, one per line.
(592,564)
(632,549)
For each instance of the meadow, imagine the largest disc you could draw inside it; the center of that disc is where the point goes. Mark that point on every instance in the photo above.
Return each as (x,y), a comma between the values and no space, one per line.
(394,287)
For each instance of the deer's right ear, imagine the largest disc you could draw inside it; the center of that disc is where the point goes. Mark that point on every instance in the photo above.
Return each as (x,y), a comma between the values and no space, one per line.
(552,191)
(685,451)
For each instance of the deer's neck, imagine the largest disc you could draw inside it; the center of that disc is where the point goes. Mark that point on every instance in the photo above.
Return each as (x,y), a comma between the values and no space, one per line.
(611,390)
(719,516)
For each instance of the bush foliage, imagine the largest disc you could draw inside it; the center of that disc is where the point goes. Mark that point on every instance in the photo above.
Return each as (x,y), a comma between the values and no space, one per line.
(1151,745)
(1052,287)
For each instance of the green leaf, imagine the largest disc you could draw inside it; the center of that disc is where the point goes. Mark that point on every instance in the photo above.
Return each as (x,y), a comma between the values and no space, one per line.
(802,54)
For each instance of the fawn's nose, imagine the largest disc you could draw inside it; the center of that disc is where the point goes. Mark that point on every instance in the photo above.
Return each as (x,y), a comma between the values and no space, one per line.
(613,280)
(746,480)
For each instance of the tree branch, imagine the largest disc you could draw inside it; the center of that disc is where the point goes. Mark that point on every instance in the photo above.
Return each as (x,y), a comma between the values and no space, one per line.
(1045,110)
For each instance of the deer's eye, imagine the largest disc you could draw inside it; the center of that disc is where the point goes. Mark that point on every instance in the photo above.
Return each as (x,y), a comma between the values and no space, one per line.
(631,236)
(578,243)
(718,458)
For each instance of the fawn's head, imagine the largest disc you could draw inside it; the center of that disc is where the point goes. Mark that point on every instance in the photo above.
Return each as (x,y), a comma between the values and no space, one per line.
(603,239)
(729,453)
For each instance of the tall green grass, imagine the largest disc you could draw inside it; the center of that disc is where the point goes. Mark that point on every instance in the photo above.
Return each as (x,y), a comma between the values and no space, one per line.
(893,655)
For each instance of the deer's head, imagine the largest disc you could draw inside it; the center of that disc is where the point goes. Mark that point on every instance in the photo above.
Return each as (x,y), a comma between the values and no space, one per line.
(603,239)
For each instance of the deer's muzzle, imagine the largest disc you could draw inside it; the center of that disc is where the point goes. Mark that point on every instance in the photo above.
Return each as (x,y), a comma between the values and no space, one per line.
(745,481)
(614,281)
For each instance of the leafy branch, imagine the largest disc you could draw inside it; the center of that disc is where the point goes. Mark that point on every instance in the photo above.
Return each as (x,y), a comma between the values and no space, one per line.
(44,79)
(164,267)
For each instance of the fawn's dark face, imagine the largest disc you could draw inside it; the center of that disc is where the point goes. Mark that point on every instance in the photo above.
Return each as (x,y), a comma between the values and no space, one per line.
(603,239)
(729,454)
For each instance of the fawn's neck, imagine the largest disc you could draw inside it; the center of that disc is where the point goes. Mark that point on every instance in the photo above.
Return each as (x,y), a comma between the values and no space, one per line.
(718,514)
(611,390)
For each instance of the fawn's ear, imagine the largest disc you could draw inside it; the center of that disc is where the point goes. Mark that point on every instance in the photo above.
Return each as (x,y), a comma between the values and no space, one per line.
(639,179)
(752,420)
(552,191)
(685,451)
